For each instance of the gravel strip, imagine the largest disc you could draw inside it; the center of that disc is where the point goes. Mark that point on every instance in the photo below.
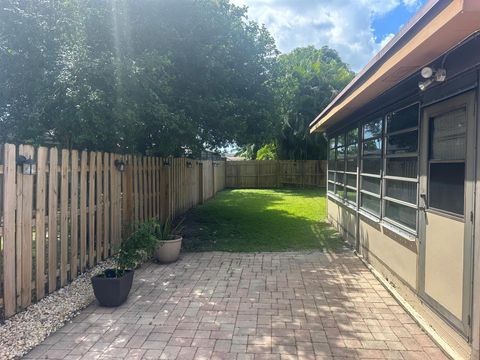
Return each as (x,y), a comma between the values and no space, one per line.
(27,329)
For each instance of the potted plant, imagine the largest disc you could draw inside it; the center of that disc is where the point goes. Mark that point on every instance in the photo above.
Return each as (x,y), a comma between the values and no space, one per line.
(112,286)
(169,242)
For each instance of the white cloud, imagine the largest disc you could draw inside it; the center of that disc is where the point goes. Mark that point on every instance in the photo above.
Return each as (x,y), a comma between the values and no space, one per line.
(345,25)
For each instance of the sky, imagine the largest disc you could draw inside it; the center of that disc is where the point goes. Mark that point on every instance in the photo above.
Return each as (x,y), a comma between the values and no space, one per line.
(357,29)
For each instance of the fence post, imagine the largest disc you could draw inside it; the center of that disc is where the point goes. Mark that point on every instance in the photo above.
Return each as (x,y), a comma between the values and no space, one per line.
(9,193)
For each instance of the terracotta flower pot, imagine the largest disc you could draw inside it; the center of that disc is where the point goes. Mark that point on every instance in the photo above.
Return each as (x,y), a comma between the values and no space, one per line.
(110,290)
(168,250)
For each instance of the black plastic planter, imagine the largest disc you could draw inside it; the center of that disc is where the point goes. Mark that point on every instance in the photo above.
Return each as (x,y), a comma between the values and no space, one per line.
(110,290)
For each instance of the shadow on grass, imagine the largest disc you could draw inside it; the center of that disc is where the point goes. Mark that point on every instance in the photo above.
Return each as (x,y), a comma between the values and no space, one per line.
(256,220)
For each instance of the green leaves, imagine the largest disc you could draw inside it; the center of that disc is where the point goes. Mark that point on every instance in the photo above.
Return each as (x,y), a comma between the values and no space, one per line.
(163,77)
(308,80)
(137,247)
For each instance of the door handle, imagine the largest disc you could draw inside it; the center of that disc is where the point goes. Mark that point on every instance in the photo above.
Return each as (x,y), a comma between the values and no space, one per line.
(423,206)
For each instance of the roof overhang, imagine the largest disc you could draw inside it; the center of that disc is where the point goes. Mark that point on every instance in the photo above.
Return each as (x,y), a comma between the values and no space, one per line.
(438,27)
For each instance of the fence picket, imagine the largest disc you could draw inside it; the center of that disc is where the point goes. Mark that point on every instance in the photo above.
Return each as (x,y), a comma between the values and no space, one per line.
(52,219)
(99,208)
(40,222)
(74,217)
(83,210)
(90,207)
(106,204)
(64,217)
(9,200)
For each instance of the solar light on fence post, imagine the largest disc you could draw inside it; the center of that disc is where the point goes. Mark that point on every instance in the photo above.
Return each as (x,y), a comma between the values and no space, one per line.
(120,165)
(189,164)
(28,165)
(166,162)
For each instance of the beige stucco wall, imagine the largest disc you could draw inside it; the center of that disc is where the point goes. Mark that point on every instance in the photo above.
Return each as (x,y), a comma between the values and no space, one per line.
(393,251)
(343,219)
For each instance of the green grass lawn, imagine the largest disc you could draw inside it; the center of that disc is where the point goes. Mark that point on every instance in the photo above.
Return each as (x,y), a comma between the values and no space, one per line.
(260,220)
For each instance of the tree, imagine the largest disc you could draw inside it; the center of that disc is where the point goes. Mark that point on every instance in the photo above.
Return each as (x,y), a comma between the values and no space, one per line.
(166,77)
(308,79)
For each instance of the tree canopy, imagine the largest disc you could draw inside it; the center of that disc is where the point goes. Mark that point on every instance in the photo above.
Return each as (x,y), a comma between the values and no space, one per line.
(168,77)
(159,77)
(308,80)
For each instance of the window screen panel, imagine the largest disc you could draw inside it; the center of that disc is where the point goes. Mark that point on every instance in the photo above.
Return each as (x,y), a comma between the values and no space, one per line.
(372,165)
(351,165)
(341,140)
(351,195)
(333,143)
(447,136)
(402,167)
(352,151)
(339,190)
(446,187)
(403,119)
(401,214)
(372,129)
(331,187)
(340,159)
(340,177)
(372,147)
(331,176)
(371,184)
(351,180)
(332,159)
(401,190)
(403,143)
(352,136)
(370,203)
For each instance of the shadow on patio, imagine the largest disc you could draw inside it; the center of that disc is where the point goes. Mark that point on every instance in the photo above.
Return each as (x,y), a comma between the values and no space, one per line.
(290,305)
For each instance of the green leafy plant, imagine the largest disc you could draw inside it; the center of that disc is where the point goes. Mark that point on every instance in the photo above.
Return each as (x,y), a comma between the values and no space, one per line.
(167,231)
(136,248)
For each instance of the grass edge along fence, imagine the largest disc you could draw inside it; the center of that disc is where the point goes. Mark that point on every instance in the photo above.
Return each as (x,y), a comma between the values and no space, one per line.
(76,207)
(275,173)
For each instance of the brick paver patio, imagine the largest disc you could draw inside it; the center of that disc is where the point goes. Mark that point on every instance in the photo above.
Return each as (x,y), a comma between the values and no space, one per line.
(247,306)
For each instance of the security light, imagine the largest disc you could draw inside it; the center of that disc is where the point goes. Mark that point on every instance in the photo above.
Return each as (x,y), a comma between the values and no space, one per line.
(440,75)
(423,85)
(431,76)
(120,165)
(427,72)
(28,165)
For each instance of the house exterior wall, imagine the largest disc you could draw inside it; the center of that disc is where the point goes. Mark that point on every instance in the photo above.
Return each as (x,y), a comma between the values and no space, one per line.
(394,249)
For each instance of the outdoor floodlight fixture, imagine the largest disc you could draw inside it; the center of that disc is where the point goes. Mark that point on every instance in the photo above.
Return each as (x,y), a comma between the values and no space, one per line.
(28,165)
(431,75)
(120,165)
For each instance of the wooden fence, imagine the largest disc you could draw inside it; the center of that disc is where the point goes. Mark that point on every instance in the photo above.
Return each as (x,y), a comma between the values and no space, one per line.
(275,173)
(74,211)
